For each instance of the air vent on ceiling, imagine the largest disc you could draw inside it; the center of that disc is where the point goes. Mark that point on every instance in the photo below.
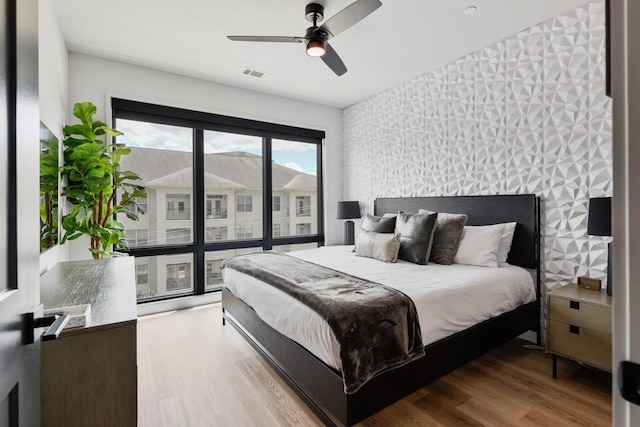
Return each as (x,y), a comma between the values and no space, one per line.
(257,74)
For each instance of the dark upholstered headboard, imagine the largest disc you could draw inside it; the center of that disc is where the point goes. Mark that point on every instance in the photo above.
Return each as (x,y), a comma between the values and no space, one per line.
(484,210)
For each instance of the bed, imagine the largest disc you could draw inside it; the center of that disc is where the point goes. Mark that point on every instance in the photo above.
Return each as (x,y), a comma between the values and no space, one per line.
(318,381)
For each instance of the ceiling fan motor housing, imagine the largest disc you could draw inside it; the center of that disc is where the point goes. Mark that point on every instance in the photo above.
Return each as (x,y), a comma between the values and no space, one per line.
(314,12)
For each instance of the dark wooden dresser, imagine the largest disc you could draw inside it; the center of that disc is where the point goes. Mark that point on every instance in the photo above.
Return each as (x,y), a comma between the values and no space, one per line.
(89,374)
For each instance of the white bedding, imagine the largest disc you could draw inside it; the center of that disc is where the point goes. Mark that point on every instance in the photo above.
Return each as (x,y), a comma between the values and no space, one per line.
(448,298)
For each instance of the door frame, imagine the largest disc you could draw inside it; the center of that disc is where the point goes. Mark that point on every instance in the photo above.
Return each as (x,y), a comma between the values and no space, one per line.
(625,68)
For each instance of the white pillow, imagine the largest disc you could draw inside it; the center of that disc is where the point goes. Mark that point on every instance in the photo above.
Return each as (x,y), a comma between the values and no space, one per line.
(479,245)
(505,241)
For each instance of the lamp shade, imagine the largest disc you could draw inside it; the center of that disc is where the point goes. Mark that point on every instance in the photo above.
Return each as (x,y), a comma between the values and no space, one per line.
(348,210)
(599,216)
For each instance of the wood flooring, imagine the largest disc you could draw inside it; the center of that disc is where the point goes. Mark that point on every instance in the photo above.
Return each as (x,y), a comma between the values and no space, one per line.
(192,371)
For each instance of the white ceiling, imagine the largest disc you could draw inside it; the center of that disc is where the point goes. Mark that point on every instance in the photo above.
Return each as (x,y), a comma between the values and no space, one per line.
(400,40)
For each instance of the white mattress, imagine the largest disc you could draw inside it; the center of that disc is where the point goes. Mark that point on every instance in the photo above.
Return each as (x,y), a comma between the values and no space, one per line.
(448,298)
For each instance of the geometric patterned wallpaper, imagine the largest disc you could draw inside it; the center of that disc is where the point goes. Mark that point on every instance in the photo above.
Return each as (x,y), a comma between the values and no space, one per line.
(528,114)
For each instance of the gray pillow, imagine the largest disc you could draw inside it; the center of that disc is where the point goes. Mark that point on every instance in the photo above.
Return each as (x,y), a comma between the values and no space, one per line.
(381,246)
(446,237)
(416,234)
(379,224)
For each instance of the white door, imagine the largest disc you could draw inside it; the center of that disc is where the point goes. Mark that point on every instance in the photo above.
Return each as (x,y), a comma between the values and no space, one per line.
(19,226)
(625,43)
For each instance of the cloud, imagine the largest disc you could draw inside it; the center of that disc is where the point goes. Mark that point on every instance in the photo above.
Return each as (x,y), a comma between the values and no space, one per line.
(294,166)
(168,137)
(291,146)
(152,135)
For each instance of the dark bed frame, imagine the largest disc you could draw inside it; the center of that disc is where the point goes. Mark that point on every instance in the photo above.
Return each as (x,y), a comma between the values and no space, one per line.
(321,387)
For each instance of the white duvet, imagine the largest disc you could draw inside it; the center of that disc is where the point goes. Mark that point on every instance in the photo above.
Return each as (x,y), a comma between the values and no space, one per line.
(449,298)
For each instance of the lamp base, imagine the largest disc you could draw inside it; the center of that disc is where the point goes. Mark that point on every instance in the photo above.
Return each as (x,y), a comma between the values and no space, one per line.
(610,270)
(349,233)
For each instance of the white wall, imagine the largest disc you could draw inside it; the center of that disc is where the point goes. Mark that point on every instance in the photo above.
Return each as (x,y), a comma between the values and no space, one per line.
(53,89)
(97,80)
(528,114)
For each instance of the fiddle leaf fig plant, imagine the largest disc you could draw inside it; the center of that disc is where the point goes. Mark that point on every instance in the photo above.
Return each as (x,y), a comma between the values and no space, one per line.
(96,187)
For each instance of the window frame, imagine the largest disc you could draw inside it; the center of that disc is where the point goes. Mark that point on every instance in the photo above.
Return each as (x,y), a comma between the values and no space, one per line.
(200,122)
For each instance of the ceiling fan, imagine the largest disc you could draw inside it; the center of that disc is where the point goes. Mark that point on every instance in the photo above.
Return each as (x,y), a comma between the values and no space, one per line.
(317,37)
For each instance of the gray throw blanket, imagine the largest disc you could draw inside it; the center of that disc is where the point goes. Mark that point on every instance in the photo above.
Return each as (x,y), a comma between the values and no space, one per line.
(376,326)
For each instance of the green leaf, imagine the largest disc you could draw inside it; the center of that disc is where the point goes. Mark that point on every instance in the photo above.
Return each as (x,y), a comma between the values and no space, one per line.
(85,112)
(108,131)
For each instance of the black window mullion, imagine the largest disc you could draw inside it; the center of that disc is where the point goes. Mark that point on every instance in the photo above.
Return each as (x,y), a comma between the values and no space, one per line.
(199,123)
(267,196)
(199,214)
(320,196)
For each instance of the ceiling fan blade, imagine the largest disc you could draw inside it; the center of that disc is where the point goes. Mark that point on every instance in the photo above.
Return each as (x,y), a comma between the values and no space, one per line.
(277,39)
(334,62)
(349,16)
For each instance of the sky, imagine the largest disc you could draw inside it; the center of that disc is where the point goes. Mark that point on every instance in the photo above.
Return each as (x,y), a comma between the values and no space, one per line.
(295,155)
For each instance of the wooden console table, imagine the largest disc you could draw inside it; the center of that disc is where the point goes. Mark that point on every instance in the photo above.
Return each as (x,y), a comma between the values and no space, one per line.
(89,375)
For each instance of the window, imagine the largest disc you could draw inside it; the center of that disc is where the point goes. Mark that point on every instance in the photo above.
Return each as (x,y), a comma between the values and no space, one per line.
(142,274)
(178,207)
(178,276)
(188,225)
(244,232)
(140,206)
(214,276)
(216,207)
(216,234)
(137,237)
(178,235)
(303,229)
(303,206)
(244,203)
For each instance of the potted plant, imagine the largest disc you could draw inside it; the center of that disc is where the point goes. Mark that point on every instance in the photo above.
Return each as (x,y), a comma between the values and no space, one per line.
(95,186)
(48,189)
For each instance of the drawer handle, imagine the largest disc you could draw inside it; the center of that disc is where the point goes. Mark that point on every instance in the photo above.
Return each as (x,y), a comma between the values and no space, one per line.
(574,329)
(574,304)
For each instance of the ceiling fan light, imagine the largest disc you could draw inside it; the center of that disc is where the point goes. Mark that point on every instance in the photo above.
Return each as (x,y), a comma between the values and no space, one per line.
(316,48)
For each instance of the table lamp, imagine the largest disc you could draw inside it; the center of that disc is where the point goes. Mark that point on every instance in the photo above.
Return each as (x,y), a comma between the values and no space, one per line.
(600,225)
(349,210)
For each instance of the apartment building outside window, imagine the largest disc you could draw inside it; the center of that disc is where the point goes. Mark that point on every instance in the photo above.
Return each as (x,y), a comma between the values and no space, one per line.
(244,203)
(216,206)
(178,276)
(178,235)
(216,234)
(178,207)
(137,237)
(142,274)
(244,232)
(140,206)
(303,229)
(214,276)
(303,206)
(217,186)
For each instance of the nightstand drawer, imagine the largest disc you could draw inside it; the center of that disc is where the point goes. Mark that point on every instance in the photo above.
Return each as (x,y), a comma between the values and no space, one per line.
(581,344)
(585,315)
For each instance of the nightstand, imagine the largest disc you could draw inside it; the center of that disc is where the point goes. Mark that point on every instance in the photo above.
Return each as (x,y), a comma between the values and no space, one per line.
(579,326)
